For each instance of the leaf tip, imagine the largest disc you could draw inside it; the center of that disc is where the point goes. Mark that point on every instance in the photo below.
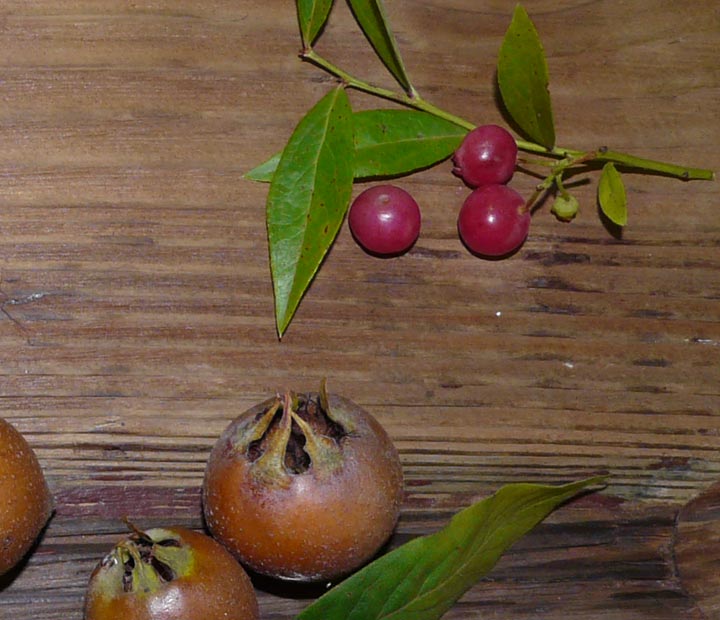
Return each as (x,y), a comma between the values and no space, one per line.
(601,480)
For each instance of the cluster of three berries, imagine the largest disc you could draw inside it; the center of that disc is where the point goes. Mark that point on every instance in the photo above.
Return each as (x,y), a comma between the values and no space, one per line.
(493,221)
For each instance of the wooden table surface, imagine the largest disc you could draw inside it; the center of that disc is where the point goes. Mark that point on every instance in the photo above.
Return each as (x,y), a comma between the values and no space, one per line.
(136,311)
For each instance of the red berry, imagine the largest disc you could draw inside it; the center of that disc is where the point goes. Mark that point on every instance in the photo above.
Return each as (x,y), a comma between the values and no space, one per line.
(494,220)
(385,220)
(487,155)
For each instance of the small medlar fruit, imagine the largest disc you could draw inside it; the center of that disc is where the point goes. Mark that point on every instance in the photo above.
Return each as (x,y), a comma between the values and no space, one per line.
(303,487)
(25,500)
(169,574)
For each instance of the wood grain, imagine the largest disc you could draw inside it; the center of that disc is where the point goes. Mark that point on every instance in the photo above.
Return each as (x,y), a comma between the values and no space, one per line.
(697,550)
(136,306)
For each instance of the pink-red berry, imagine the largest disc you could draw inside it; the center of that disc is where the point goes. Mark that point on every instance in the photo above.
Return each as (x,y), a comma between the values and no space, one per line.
(487,156)
(385,220)
(493,221)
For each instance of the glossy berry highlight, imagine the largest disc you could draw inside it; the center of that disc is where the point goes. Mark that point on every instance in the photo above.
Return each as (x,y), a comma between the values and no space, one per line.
(494,221)
(385,220)
(487,156)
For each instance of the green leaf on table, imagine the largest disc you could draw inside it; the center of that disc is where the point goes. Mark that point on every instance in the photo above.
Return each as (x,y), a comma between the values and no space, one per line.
(372,19)
(312,15)
(307,200)
(523,79)
(396,142)
(390,143)
(265,171)
(611,195)
(422,579)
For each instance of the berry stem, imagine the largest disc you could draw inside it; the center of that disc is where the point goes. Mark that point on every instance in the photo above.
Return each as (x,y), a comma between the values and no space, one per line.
(561,187)
(624,159)
(415,100)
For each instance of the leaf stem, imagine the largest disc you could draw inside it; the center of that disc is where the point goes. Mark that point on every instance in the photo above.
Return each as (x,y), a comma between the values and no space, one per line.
(414,100)
(682,172)
(624,159)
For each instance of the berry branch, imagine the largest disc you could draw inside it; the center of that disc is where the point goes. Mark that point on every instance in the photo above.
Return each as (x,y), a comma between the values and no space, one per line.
(602,154)
(311,179)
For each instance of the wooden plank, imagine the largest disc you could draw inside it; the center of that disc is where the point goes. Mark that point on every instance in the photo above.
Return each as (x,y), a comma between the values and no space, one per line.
(136,313)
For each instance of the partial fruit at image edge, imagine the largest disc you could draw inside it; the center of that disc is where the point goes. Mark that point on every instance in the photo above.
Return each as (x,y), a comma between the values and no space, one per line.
(25,500)
(303,487)
(169,573)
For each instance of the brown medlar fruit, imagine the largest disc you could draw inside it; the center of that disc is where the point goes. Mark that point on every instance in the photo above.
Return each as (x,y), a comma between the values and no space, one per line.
(303,487)
(25,500)
(169,574)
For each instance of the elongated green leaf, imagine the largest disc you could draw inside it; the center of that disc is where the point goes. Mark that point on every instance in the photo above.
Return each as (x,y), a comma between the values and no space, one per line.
(422,579)
(390,143)
(371,17)
(396,142)
(312,15)
(522,75)
(308,198)
(611,195)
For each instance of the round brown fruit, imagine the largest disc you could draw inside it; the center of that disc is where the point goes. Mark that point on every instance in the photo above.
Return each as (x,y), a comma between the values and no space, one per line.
(25,500)
(303,487)
(169,574)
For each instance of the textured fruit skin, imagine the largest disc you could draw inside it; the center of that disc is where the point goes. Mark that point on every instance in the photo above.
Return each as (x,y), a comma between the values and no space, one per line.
(215,587)
(487,156)
(493,221)
(385,220)
(306,526)
(25,500)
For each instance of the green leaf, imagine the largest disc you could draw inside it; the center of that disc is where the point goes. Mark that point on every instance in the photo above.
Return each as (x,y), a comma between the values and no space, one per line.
(396,142)
(522,75)
(308,197)
(390,143)
(422,579)
(312,15)
(611,195)
(265,171)
(370,15)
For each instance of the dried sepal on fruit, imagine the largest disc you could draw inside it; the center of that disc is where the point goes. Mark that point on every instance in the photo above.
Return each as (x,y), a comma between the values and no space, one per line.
(303,487)
(169,574)
(25,500)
